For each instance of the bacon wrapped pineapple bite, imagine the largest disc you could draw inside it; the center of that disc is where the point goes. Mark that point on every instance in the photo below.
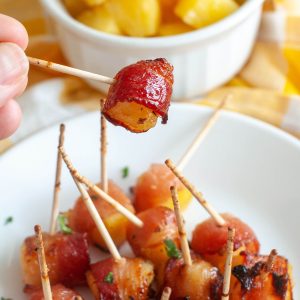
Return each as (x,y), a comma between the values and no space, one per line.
(209,240)
(200,280)
(67,257)
(190,277)
(157,240)
(59,292)
(140,94)
(127,278)
(47,292)
(262,277)
(153,189)
(116,223)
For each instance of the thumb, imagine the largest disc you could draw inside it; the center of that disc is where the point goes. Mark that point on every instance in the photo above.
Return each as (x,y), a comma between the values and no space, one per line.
(13,69)
(13,63)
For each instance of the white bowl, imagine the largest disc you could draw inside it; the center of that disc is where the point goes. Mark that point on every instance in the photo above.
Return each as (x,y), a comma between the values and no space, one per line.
(203,59)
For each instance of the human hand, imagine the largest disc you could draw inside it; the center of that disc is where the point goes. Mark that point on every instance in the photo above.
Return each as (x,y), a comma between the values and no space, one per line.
(13,72)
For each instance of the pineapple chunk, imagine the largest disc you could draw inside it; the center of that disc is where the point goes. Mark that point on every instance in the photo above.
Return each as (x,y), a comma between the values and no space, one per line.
(93,2)
(99,18)
(136,17)
(200,13)
(74,7)
(174,28)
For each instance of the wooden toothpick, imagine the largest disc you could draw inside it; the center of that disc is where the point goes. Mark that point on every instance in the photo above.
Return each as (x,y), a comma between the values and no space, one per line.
(181,230)
(228,263)
(68,70)
(120,208)
(103,150)
(42,263)
(270,261)
(166,293)
(202,134)
(98,221)
(216,216)
(55,203)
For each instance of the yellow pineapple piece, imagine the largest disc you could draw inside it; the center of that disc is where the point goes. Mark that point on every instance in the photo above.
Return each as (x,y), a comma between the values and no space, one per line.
(200,13)
(174,28)
(94,2)
(99,18)
(74,7)
(136,17)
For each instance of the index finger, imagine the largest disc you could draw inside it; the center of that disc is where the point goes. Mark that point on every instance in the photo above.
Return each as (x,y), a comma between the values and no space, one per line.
(13,31)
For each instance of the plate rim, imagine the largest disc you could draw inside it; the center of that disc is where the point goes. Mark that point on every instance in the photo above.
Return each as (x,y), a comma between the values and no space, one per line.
(249,120)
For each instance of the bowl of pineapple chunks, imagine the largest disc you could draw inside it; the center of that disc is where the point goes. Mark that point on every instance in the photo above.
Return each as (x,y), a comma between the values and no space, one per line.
(207,41)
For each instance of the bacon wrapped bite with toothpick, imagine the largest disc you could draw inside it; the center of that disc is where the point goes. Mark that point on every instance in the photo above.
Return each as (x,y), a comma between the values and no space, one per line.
(140,94)
(262,277)
(189,276)
(157,240)
(128,278)
(67,258)
(209,240)
(153,189)
(200,280)
(59,292)
(80,219)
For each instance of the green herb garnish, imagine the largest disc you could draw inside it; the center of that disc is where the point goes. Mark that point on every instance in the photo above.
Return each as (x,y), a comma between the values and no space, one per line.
(3,298)
(7,221)
(171,249)
(62,222)
(125,172)
(109,278)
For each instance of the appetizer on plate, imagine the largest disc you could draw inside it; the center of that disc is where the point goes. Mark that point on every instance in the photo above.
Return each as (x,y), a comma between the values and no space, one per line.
(221,262)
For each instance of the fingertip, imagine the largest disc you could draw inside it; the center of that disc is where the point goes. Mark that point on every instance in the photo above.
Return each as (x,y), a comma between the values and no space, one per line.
(10,118)
(13,31)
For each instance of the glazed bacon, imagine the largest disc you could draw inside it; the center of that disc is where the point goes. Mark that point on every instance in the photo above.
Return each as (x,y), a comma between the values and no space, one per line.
(128,278)
(209,240)
(59,292)
(80,219)
(66,255)
(199,281)
(141,93)
(255,282)
(153,189)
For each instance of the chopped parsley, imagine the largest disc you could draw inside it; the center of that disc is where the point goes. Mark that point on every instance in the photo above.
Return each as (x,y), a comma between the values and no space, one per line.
(62,222)
(125,172)
(171,249)
(3,298)
(109,278)
(7,221)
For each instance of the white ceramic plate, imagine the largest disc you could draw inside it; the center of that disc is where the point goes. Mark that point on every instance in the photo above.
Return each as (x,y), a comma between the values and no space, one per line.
(244,167)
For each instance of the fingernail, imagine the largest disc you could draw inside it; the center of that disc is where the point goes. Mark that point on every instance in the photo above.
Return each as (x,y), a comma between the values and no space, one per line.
(13,63)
